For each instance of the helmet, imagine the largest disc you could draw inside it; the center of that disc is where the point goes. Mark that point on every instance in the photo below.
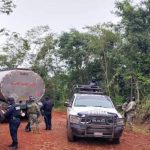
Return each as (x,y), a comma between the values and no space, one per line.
(11,100)
(31,98)
(47,98)
(133,98)
(93,79)
(128,99)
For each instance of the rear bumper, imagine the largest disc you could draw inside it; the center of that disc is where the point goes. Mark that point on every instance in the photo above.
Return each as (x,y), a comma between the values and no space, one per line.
(104,132)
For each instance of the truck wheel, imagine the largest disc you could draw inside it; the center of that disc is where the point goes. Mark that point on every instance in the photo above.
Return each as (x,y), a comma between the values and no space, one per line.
(70,136)
(116,140)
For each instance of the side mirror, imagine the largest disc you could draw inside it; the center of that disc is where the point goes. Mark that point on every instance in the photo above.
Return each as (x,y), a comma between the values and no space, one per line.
(67,104)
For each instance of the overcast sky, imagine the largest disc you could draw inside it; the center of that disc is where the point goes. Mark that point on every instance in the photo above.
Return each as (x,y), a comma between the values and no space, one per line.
(60,15)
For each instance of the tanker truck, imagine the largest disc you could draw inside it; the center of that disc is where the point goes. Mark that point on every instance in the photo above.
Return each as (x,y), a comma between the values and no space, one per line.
(20,84)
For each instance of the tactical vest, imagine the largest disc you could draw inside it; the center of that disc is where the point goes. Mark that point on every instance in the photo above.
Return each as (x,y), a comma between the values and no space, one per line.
(32,108)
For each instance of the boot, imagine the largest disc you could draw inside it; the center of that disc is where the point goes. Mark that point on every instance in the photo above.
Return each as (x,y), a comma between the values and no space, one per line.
(49,128)
(11,145)
(14,146)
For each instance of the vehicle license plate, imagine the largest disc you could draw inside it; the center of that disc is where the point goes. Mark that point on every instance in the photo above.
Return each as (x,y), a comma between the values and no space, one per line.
(98,133)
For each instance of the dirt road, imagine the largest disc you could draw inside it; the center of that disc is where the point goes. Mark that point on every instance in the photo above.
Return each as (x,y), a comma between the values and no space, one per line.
(56,139)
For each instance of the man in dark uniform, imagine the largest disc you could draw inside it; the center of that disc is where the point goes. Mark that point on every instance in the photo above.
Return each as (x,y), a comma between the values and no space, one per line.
(47,112)
(93,82)
(124,107)
(13,116)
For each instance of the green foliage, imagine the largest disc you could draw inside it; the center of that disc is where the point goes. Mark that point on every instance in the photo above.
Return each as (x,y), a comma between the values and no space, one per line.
(117,55)
(144,107)
(118,100)
(7,6)
(14,50)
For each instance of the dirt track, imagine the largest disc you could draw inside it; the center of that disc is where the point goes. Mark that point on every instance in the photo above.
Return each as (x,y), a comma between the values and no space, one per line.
(56,139)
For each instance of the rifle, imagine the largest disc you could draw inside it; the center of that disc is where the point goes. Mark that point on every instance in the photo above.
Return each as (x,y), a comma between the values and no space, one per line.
(3,108)
(1,114)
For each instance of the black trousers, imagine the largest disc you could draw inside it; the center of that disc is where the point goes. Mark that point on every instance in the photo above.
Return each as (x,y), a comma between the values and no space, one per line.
(47,119)
(28,127)
(13,127)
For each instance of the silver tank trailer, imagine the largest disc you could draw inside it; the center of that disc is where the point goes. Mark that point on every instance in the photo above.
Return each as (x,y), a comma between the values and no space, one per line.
(21,84)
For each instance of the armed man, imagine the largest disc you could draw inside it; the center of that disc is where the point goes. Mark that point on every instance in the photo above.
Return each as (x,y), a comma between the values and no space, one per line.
(33,113)
(124,107)
(12,114)
(130,112)
(28,126)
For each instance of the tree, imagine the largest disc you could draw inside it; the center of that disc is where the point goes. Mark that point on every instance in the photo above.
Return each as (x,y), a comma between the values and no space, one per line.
(7,6)
(75,50)
(13,50)
(106,51)
(136,47)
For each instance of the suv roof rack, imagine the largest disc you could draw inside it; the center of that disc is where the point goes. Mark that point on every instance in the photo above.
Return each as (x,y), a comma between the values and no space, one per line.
(87,89)
(8,69)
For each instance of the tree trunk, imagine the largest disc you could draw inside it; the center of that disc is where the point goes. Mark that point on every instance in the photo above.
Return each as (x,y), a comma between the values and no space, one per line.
(137,90)
(106,72)
(131,92)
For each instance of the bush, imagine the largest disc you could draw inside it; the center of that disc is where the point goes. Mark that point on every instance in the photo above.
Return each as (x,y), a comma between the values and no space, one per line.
(118,100)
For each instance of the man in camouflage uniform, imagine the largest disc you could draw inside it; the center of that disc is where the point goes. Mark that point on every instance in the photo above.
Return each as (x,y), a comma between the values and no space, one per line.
(27,127)
(124,107)
(130,112)
(34,113)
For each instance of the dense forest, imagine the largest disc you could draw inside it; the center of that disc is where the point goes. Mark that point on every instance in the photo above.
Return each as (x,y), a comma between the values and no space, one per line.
(117,55)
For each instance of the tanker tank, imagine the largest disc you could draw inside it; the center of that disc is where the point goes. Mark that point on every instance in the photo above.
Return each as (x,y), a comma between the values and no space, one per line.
(20,84)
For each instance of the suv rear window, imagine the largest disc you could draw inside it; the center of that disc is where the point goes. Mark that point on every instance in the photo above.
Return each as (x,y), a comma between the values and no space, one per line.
(92,101)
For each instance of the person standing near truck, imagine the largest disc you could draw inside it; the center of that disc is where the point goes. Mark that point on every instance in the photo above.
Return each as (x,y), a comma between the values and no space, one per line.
(130,112)
(12,114)
(28,126)
(47,112)
(124,107)
(33,113)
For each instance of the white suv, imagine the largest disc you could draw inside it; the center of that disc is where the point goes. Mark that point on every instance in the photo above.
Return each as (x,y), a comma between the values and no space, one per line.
(92,114)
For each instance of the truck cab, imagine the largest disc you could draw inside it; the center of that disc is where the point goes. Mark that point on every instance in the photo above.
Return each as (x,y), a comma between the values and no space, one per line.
(90,113)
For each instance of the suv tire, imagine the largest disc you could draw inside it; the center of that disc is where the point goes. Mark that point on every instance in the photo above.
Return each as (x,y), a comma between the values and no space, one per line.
(116,140)
(70,136)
